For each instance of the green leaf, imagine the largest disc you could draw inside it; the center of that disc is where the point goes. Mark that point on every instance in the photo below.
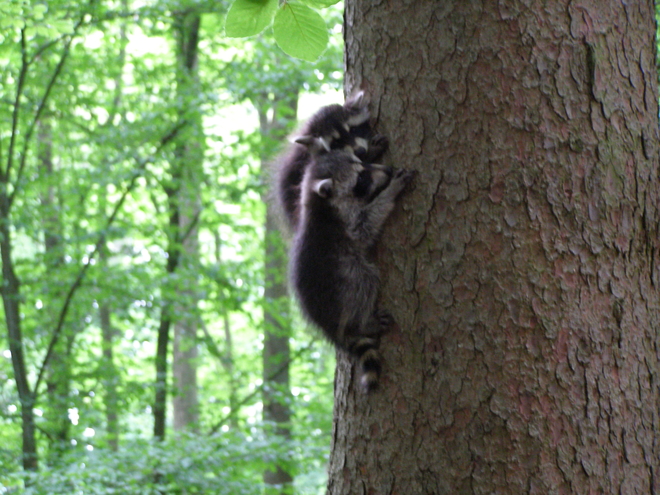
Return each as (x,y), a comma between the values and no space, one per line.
(249,17)
(319,4)
(300,31)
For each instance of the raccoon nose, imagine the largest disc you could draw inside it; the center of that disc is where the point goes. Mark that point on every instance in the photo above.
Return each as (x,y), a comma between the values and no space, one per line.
(360,152)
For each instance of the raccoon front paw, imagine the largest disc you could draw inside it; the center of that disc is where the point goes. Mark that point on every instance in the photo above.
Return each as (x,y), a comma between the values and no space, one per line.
(401,179)
(406,175)
(378,145)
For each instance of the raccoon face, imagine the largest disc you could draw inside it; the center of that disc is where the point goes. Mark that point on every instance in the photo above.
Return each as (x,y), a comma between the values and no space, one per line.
(346,181)
(333,127)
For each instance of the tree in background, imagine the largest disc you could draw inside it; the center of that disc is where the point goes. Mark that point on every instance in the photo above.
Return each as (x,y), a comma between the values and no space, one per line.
(122,145)
(524,284)
(272,83)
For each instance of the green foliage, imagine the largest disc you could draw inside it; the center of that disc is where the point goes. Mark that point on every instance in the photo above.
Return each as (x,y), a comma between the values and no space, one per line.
(299,30)
(226,463)
(91,101)
(249,17)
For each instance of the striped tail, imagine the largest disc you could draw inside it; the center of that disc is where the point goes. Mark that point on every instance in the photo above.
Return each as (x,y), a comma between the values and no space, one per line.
(366,350)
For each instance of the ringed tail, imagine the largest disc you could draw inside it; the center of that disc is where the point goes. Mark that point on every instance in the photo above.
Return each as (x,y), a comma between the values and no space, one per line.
(366,350)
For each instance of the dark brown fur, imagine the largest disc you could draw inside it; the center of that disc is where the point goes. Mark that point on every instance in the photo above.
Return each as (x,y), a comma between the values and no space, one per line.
(344,205)
(332,127)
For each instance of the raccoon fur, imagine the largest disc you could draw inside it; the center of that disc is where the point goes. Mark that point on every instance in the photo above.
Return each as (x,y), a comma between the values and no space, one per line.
(332,127)
(344,205)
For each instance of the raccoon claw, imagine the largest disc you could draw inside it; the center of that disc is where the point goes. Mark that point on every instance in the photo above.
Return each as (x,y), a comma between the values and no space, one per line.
(406,176)
(378,145)
(401,179)
(385,320)
(380,142)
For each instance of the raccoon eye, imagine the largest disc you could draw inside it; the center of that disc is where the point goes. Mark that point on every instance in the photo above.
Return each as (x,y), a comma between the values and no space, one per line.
(362,184)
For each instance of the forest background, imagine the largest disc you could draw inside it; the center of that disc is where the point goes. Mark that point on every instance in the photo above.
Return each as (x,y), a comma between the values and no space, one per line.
(148,343)
(142,336)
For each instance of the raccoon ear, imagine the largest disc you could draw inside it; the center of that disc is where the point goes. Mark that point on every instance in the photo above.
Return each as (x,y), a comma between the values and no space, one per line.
(357,108)
(305,140)
(311,141)
(357,100)
(323,188)
(325,143)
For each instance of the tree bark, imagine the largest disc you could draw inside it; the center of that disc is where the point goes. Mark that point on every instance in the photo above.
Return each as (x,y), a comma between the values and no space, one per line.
(522,268)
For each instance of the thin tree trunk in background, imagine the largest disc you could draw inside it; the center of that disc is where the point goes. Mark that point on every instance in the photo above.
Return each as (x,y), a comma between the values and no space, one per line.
(58,379)
(226,358)
(163,333)
(276,352)
(522,267)
(108,333)
(277,321)
(11,297)
(110,397)
(182,199)
(190,155)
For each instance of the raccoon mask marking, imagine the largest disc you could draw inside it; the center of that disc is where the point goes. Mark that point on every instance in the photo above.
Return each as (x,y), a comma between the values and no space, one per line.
(344,204)
(333,127)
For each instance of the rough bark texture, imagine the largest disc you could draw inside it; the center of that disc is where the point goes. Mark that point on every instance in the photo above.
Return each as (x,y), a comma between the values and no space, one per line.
(522,268)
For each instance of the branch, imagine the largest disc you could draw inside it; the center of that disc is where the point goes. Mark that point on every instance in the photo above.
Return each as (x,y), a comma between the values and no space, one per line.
(42,104)
(4,176)
(101,240)
(260,388)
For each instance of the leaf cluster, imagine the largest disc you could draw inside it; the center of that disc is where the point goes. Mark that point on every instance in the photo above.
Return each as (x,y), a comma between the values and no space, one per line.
(299,29)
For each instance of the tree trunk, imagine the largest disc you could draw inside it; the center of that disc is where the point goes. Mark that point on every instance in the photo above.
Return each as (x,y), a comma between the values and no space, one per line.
(225,356)
(108,332)
(276,353)
(277,320)
(10,289)
(183,211)
(110,373)
(11,297)
(58,380)
(521,269)
(190,155)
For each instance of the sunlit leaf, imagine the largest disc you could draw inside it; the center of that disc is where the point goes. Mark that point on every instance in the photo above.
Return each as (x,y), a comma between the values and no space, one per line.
(249,17)
(319,4)
(300,31)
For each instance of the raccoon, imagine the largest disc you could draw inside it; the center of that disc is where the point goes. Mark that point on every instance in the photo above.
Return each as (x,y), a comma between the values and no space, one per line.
(344,205)
(332,127)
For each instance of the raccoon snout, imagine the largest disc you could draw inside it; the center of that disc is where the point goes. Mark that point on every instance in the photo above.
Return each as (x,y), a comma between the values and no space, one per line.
(360,152)
(386,169)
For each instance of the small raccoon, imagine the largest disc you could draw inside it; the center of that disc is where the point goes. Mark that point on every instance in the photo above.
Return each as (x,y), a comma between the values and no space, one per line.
(332,127)
(344,205)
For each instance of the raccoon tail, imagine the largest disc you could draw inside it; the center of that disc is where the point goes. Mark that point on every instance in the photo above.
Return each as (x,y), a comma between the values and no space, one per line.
(366,350)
